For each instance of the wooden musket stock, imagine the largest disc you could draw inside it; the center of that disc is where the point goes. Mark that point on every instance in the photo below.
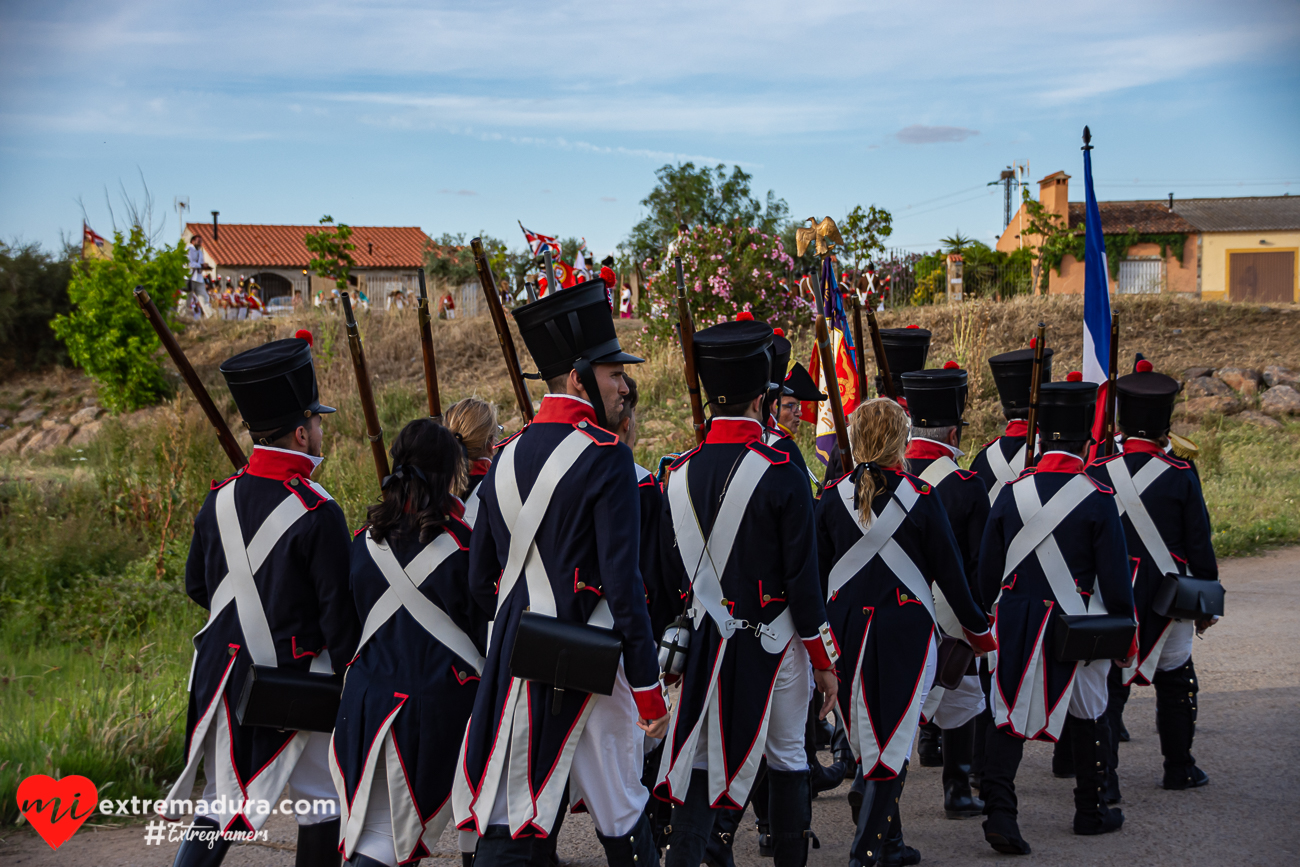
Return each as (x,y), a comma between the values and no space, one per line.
(224,436)
(1106,447)
(686,327)
(507,342)
(882,361)
(426,344)
(860,350)
(833,393)
(1035,383)
(374,432)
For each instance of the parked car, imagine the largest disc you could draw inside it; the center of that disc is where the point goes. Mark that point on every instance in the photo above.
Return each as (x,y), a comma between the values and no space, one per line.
(281,305)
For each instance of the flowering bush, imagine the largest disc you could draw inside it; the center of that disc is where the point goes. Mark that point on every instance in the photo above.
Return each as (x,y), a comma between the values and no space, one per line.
(727,269)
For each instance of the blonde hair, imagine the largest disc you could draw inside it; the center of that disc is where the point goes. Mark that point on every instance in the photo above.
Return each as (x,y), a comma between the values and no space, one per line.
(878,432)
(474,422)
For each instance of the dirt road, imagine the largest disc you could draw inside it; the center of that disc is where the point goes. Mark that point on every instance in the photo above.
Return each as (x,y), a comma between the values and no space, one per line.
(1247,740)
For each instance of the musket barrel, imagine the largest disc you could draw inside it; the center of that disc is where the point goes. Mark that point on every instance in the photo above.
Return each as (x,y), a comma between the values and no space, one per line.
(227,439)
(833,393)
(860,350)
(374,432)
(493,298)
(426,345)
(1035,383)
(882,360)
(686,330)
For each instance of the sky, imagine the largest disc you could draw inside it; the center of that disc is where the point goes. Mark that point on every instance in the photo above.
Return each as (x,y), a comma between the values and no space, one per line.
(462,117)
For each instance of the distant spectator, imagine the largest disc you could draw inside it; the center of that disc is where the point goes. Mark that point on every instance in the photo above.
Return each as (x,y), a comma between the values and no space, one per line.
(447,307)
(197,291)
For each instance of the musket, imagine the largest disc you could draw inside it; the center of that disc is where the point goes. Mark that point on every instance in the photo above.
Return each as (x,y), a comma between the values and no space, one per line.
(882,360)
(686,327)
(833,392)
(373,431)
(1035,383)
(507,342)
(1106,447)
(426,344)
(224,436)
(551,285)
(861,351)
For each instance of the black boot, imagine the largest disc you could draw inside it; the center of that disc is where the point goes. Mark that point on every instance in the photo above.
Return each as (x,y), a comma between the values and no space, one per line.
(929,748)
(820,777)
(637,849)
(1063,753)
(201,847)
(790,814)
(692,825)
(897,853)
(958,748)
(719,851)
(876,818)
(1001,761)
(497,849)
(1091,815)
(318,845)
(857,794)
(759,798)
(359,860)
(983,722)
(1176,691)
(466,859)
(1117,697)
(544,847)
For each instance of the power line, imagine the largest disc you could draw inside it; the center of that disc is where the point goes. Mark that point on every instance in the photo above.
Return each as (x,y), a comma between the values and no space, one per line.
(941,198)
(948,205)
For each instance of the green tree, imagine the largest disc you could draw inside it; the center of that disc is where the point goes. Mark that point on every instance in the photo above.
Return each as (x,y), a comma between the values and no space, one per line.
(331,252)
(33,290)
(105,332)
(688,196)
(864,233)
(450,259)
(957,243)
(1056,239)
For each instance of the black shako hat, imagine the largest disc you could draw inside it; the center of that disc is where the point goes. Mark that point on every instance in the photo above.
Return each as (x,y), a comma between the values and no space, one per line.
(734,361)
(935,398)
(274,384)
(906,350)
(1012,372)
(1146,403)
(800,384)
(1065,412)
(572,329)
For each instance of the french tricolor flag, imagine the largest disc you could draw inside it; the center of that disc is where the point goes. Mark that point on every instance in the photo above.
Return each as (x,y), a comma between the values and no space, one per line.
(1096,296)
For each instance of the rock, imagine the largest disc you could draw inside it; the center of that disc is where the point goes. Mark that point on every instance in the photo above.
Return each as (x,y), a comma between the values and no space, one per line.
(1281,400)
(51,423)
(85,416)
(48,439)
(1206,386)
(1195,372)
(1240,379)
(29,415)
(14,444)
(85,434)
(1275,374)
(1198,407)
(1250,416)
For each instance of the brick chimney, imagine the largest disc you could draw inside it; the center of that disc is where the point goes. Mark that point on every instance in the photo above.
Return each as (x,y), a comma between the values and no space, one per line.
(1054,194)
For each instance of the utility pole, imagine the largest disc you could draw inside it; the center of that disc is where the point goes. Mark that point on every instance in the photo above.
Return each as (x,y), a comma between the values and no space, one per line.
(181,204)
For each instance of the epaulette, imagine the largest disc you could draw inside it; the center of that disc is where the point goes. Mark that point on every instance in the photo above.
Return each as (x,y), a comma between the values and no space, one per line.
(1102,461)
(1174,462)
(966,474)
(1099,486)
(835,482)
(597,434)
(216,486)
(298,486)
(1024,474)
(682,458)
(990,442)
(920,486)
(457,528)
(775,457)
(512,437)
(360,530)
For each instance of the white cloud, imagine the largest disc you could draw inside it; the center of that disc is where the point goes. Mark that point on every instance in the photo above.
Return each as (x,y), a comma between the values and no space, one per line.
(920,134)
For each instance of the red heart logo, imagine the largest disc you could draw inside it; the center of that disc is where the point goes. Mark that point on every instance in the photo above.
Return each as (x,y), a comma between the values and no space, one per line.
(57,808)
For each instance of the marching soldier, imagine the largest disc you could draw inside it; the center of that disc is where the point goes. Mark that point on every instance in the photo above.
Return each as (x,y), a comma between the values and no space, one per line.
(1054,544)
(1001,460)
(936,400)
(269,562)
(890,565)
(1168,532)
(474,424)
(557,535)
(411,687)
(738,536)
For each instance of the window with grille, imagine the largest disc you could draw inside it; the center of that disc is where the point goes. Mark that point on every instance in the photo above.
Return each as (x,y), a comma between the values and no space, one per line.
(1141,276)
(1261,276)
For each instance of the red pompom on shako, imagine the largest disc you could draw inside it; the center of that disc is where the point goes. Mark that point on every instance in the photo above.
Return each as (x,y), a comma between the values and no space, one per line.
(744,316)
(951,365)
(1033,343)
(779,332)
(607,274)
(1144,366)
(1074,376)
(303,334)
(913,326)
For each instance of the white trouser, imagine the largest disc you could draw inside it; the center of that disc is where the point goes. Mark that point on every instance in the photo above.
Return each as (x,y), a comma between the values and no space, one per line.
(376,840)
(1090,695)
(961,705)
(310,781)
(789,716)
(1178,645)
(606,773)
(927,682)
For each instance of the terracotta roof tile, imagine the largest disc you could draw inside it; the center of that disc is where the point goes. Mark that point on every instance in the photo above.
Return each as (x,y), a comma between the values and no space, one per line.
(1118,218)
(259,246)
(1244,214)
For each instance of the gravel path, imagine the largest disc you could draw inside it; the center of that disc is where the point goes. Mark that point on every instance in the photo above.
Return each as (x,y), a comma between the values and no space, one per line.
(1246,740)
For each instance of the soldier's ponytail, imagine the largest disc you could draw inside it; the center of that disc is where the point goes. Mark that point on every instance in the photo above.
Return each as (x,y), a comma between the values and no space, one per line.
(878,432)
(428,466)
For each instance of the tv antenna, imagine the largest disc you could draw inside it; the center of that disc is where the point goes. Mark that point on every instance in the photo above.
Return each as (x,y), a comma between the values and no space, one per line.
(181,204)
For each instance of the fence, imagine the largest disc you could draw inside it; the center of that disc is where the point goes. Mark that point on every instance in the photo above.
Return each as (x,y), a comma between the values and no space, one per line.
(916,278)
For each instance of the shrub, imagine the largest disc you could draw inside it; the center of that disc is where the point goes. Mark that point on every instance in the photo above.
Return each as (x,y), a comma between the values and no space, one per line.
(106,333)
(33,290)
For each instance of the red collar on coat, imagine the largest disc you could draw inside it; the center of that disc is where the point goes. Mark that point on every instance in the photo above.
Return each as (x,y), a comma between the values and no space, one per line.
(564,409)
(1059,462)
(480,466)
(279,464)
(734,430)
(924,449)
(1135,446)
(1017,428)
